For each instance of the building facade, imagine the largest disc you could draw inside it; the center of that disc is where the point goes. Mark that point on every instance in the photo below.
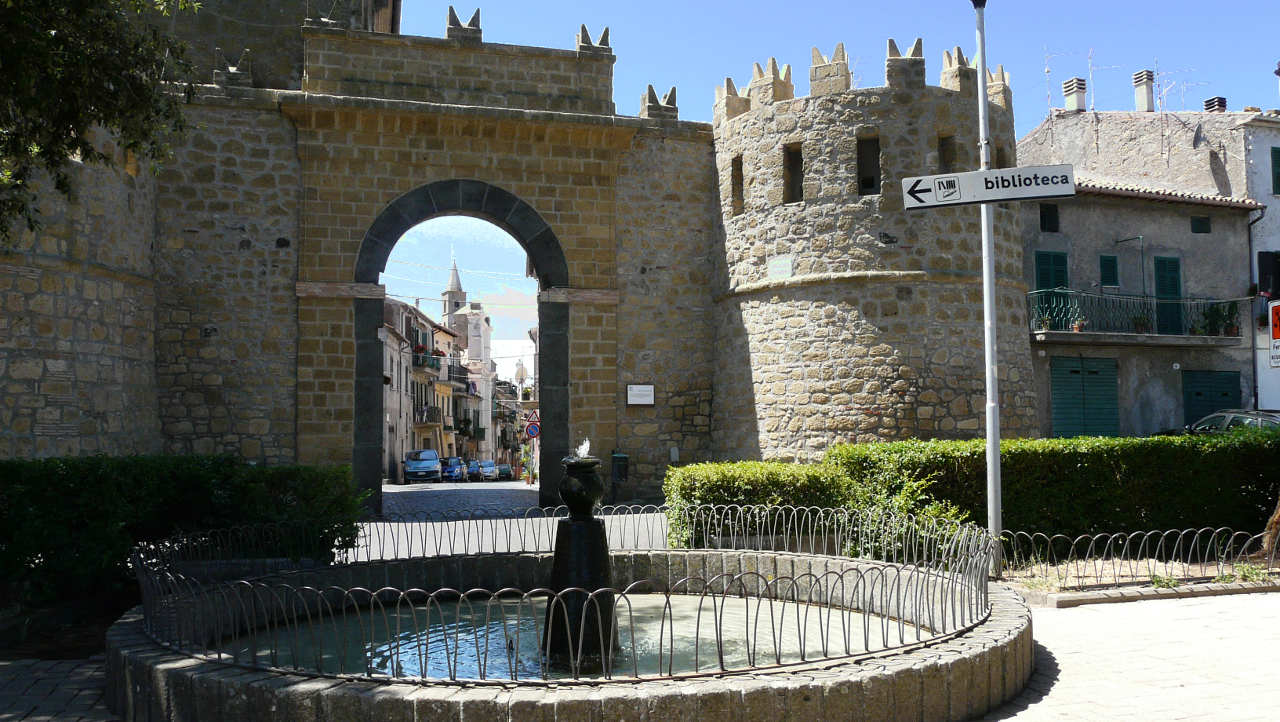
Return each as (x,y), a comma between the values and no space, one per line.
(1214,154)
(1139,309)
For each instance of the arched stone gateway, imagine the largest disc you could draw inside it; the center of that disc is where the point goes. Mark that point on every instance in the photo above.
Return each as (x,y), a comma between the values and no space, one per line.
(756,279)
(491,203)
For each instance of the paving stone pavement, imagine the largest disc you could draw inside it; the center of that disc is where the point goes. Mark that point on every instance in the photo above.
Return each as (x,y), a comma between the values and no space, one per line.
(1208,658)
(63,690)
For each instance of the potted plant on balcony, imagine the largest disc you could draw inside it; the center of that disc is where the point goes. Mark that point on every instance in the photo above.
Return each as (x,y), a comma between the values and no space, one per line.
(1230,319)
(1044,323)
(1141,324)
(1078,323)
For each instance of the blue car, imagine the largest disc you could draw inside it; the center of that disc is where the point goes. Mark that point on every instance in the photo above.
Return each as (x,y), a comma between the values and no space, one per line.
(422,465)
(454,469)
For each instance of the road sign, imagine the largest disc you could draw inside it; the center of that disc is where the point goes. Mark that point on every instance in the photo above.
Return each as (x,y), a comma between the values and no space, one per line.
(532,430)
(533,417)
(1274,308)
(983,186)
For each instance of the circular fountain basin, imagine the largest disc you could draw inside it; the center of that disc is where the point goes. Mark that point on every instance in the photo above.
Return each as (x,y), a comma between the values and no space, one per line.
(949,676)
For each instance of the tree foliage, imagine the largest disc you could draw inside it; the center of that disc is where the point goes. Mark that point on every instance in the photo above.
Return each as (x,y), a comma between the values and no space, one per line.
(68,67)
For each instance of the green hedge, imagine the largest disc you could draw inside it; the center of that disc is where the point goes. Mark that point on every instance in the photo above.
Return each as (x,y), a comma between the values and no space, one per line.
(1090,485)
(67,524)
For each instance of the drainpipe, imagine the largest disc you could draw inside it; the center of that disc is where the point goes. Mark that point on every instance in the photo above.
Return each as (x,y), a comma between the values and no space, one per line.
(1253,274)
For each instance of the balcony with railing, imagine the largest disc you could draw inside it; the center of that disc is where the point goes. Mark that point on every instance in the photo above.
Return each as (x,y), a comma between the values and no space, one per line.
(427,415)
(1061,316)
(458,373)
(426,360)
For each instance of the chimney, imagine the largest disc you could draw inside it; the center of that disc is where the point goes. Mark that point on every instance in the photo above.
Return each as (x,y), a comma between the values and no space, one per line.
(1217,104)
(1143,99)
(1074,92)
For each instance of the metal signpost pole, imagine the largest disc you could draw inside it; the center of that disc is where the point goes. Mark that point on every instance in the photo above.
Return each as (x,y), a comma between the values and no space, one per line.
(989,304)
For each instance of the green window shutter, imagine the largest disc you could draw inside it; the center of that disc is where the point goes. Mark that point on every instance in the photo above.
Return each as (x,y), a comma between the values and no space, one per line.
(1168,276)
(1051,270)
(1275,171)
(1108,271)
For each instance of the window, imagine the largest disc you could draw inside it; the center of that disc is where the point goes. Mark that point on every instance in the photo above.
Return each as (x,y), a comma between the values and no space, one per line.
(1049,217)
(1275,171)
(1051,270)
(735,173)
(792,174)
(1200,224)
(1108,271)
(868,166)
(946,153)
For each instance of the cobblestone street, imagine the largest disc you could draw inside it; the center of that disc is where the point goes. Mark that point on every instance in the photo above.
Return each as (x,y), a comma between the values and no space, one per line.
(457,498)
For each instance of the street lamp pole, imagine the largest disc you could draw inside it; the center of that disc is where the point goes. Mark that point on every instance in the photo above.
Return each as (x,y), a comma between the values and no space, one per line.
(989,311)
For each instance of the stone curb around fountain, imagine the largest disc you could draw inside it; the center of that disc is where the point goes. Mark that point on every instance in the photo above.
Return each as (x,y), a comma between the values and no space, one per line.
(958,678)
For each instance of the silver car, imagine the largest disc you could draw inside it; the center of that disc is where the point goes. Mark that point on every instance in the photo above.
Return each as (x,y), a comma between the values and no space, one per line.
(1228,419)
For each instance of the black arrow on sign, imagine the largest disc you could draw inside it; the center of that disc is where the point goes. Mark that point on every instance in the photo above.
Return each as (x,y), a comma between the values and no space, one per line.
(915,190)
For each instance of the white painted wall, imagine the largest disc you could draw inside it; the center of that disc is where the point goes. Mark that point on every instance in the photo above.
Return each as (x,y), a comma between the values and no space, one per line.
(1260,139)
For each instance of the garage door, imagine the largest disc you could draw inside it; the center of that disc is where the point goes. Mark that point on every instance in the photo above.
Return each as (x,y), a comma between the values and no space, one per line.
(1204,392)
(1084,396)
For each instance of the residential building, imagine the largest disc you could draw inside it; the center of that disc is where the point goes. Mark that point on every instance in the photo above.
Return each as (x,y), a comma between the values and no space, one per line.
(1226,164)
(1137,304)
(397,391)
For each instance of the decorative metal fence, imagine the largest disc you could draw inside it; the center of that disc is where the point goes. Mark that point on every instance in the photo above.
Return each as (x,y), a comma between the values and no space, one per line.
(1062,309)
(1164,558)
(460,598)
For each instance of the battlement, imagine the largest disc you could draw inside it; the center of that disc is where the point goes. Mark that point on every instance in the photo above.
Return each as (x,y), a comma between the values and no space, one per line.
(829,75)
(650,107)
(459,69)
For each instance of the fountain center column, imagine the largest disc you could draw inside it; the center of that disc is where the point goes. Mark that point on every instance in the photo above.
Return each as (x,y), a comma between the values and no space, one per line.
(579,624)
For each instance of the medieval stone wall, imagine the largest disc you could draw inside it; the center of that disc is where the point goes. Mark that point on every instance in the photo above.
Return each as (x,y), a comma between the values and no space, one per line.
(438,70)
(270,29)
(226,262)
(78,329)
(843,317)
(666,249)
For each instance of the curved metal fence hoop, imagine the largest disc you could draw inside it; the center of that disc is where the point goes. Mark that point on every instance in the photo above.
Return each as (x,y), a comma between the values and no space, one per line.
(285,597)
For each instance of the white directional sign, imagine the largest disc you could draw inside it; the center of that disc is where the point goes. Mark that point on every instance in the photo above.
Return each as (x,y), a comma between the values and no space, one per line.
(988,186)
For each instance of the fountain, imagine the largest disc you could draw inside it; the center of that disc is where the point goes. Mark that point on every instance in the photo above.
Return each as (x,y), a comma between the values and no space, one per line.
(474,615)
(580,624)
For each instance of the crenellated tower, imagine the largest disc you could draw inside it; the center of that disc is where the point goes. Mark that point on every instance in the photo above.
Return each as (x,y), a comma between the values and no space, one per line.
(840,315)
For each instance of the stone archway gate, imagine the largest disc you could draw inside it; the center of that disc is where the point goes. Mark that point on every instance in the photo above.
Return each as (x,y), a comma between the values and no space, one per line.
(615,213)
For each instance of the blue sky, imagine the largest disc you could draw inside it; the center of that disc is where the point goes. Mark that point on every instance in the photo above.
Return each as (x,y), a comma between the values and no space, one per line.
(1203,49)
(1199,50)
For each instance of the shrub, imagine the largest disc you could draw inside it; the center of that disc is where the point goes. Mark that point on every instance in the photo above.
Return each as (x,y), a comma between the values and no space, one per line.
(1090,485)
(67,524)
(887,488)
(747,483)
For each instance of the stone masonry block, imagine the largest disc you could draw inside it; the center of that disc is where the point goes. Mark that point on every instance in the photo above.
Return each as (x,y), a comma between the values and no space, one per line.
(578,703)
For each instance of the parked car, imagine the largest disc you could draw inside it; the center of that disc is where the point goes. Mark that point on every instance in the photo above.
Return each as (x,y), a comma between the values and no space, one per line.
(422,465)
(489,470)
(473,471)
(505,473)
(454,470)
(1228,419)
